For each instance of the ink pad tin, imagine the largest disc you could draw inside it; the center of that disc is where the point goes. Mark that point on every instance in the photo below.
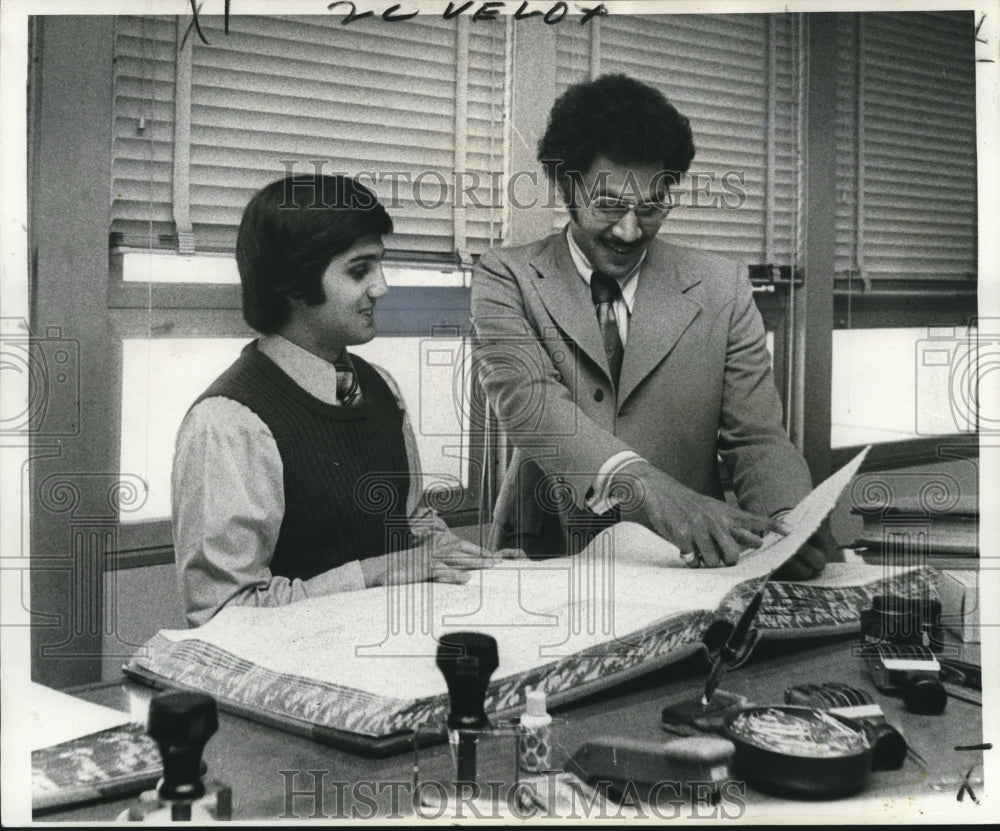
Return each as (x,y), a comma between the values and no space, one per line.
(799,751)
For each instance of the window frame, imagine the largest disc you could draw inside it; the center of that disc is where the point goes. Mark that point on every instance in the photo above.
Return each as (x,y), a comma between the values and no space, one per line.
(879,302)
(150,310)
(133,305)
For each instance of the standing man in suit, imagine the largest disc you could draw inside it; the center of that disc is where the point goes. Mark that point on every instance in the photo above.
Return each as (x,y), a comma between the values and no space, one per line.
(621,366)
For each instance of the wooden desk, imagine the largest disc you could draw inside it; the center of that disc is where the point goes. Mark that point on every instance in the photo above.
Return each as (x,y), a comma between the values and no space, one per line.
(251,757)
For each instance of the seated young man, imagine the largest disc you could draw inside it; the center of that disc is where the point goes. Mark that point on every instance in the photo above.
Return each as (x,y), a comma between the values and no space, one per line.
(296,472)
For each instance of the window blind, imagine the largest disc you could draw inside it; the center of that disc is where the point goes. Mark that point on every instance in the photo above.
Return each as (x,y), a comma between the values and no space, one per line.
(143,131)
(735,78)
(906,133)
(404,107)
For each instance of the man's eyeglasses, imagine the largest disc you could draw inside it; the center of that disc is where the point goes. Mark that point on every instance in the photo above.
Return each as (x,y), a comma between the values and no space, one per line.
(613,210)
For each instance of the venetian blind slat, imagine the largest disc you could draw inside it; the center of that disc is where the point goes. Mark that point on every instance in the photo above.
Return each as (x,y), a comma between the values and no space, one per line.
(714,69)
(296,94)
(914,150)
(143,129)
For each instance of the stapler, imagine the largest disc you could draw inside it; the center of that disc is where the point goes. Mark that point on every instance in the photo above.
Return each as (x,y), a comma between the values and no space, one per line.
(652,770)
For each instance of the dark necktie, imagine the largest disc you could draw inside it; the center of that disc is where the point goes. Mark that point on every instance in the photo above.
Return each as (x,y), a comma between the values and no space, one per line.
(347,383)
(604,290)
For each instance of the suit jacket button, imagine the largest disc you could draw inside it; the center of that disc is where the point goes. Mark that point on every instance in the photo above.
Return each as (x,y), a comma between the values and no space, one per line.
(598,394)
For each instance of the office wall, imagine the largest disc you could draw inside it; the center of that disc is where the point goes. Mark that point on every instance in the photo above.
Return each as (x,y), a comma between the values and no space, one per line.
(74,475)
(138,603)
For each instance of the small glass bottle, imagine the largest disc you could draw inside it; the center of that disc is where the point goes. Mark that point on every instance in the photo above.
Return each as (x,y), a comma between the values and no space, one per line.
(535,741)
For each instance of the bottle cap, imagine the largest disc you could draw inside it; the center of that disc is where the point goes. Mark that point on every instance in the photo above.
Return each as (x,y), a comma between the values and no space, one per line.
(535,701)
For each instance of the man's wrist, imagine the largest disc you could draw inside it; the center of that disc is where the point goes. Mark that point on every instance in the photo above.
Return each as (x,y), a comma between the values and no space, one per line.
(604,495)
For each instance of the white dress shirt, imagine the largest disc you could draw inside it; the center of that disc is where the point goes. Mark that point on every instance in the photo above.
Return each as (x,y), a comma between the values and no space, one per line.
(228,497)
(625,302)
(598,498)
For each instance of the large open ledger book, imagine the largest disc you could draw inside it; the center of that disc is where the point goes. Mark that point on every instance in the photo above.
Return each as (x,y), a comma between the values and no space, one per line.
(358,670)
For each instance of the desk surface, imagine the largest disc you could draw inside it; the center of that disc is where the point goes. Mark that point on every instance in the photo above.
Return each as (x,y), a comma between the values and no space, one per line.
(251,758)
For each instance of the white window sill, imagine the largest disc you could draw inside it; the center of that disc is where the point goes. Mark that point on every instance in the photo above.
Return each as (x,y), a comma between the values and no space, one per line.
(214,269)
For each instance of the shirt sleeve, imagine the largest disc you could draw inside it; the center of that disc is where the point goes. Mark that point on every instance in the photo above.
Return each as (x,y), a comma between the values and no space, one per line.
(602,496)
(228,503)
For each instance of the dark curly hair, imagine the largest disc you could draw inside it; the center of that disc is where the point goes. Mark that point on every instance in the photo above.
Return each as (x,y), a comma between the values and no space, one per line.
(290,232)
(620,118)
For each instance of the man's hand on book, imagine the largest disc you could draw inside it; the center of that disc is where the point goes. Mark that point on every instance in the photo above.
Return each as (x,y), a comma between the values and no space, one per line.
(440,559)
(810,560)
(716,531)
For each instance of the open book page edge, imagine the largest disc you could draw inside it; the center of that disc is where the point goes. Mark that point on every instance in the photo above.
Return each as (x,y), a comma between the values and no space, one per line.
(628,545)
(376,709)
(789,610)
(802,523)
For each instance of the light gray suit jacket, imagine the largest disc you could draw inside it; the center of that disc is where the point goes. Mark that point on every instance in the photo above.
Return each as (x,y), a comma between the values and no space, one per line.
(696,384)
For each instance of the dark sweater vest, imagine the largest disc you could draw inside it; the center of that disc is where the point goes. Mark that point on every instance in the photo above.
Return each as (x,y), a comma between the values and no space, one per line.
(346,473)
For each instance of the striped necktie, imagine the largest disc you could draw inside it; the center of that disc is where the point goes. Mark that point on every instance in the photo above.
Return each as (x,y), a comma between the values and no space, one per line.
(348,392)
(604,290)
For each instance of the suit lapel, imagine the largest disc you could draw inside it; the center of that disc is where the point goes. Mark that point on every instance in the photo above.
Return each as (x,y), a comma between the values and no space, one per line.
(567,299)
(662,313)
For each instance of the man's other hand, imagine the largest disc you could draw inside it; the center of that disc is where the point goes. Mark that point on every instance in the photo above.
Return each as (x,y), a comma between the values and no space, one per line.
(715,531)
(810,560)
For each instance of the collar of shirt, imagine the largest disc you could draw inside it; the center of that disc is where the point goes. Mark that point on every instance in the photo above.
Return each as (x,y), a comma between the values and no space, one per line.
(311,372)
(585,269)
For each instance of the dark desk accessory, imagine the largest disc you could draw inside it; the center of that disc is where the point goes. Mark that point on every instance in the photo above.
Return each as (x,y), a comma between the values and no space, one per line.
(710,712)
(889,748)
(181,723)
(904,620)
(687,716)
(897,639)
(800,752)
(911,671)
(645,768)
(467,660)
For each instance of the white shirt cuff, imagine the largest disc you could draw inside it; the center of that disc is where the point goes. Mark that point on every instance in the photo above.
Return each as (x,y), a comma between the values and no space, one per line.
(600,498)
